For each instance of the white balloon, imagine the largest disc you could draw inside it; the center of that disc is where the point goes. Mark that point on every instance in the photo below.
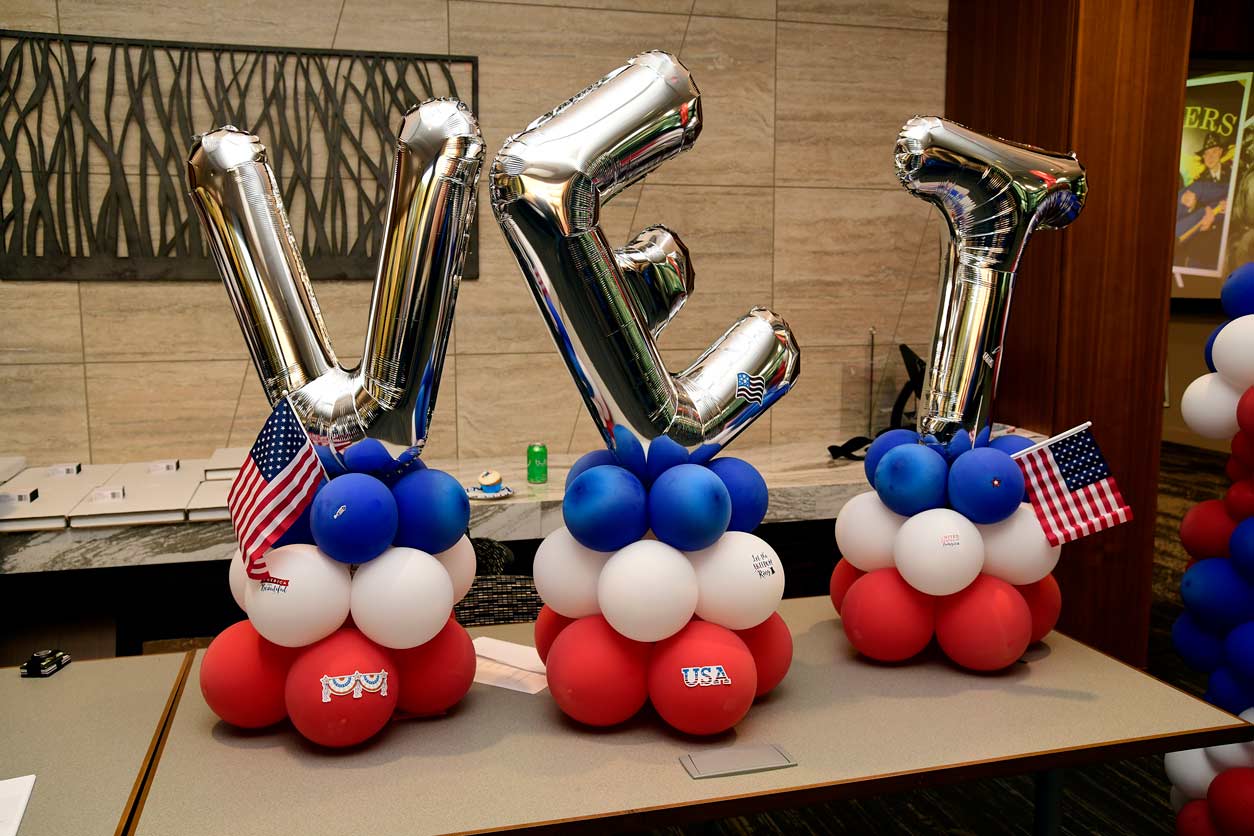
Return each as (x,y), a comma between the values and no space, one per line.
(402,598)
(938,552)
(1191,771)
(1234,755)
(237,577)
(306,599)
(460,563)
(647,591)
(1178,800)
(865,530)
(1209,406)
(740,581)
(1016,550)
(1233,352)
(566,574)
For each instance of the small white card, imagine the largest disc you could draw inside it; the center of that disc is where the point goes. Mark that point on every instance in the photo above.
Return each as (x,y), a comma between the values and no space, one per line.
(504,664)
(29,495)
(14,793)
(108,493)
(65,469)
(163,466)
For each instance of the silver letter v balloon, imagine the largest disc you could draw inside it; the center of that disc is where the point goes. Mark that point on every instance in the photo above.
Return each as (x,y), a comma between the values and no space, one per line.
(993,194)
(391,394)
(606,306)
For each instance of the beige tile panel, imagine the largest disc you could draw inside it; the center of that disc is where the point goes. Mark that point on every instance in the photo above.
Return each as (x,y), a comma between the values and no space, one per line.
(507,401)
(733,63)
(672,7)
(906,14)
(43,414)
(148,410)
(764,9)
(843,261)
(917,320)
(151,320)
(30,15)
(265,22)
(843,94)
(828,404)
(39,322)
(394,25)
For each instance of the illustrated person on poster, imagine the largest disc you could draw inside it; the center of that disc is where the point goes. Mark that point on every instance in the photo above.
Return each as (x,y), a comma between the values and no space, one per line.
(1198,225)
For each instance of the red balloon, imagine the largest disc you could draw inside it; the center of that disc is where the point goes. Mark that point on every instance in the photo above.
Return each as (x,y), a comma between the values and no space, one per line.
(1205,529)
(242,676)
(702,680)
(1245,411)
(342,690)
(986,626)
(549,623)
(771,645)
(1239,500)
(1236,470)
(1243,447)
(886,618)
(1231,800)
(436,675)
(843,577)
(1044,600)
(596,675)
(1194,820)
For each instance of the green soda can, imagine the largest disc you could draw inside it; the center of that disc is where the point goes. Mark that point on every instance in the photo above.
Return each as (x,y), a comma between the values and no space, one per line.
(537,463)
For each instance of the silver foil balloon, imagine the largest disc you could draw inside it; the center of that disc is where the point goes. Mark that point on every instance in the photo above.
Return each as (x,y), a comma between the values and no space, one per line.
(605,306)
(391,394)
(992,194)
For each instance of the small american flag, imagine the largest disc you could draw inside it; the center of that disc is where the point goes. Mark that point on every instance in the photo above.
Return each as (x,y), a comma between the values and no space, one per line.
(273,487)
(750,387)
(1070,487)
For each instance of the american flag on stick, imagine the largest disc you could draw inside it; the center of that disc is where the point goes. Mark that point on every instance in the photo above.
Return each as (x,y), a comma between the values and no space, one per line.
(1070,486)
(273,488)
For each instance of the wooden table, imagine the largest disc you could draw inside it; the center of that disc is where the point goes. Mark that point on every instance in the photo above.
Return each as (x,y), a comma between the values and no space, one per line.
(505,760)
(89,734)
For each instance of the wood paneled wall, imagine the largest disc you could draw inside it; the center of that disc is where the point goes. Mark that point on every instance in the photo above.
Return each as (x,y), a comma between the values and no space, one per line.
(1087,335)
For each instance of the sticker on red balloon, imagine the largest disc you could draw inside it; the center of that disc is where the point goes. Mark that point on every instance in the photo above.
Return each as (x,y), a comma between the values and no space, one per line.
(705,676)
(355,683)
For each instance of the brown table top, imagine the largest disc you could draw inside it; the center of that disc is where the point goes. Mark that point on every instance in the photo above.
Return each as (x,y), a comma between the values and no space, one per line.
(87,733)
(505,760)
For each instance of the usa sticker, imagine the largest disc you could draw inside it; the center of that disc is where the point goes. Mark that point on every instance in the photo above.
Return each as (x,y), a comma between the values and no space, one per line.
(705,676)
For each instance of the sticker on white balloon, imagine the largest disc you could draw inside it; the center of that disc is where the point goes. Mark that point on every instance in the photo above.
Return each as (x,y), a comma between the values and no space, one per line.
(459,561)
(740,581)
(305,599)
(402,598)
(566,574)
(647,591)
(1016,549)
(865,531)
(938,552)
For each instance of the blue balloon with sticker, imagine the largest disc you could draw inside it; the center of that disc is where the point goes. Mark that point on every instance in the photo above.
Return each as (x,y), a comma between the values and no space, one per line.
(985,485)
(354,518)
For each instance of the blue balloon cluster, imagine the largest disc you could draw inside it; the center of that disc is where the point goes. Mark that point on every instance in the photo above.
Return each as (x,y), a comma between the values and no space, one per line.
(612,500)
(373,502)
(913,474)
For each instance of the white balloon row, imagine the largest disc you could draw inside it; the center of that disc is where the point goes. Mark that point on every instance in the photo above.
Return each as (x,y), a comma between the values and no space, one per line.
(648,590)
(1191,771)
(940,552)
(1209,405)
(400,599)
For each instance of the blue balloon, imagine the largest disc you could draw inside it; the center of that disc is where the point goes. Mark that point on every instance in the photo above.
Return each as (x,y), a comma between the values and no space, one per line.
(605,508)
(983,436)
(747,489)
(881,445)
(1239,652)
(985,485)
(628,451)
(1227,692)
(596,458)
(1011,443)
(1241,549)
(300,531)
(958,445)
(368,456)
(911,478)
(689,507)
(354,518)
(1208,353)
(434,510)
(1216,596)
(1237,295)
(664,453)
(330,465)
(1199,649)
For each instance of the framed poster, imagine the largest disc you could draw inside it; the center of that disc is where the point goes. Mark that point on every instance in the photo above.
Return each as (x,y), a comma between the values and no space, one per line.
(1211,144)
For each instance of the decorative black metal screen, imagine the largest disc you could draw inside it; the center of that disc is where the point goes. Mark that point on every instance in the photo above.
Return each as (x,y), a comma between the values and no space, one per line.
(94,135)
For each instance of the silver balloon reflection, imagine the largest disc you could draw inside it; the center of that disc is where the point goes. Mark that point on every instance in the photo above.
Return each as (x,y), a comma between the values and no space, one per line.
(993,194)
(391,394)
(605,306)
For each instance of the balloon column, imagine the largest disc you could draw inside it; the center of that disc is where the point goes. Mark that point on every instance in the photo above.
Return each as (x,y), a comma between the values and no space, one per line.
(1212,789)
(350,620)
(944,546)
(656,591)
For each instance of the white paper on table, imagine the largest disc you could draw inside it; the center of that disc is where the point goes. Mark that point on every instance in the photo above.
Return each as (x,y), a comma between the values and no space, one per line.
(14,793)
(504,664)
